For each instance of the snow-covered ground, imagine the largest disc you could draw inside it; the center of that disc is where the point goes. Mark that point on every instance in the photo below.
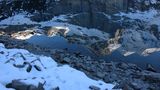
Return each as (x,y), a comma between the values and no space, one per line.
(23,18)
(18,19)
(65,77)
(151,16)
(144,16)
(137,40)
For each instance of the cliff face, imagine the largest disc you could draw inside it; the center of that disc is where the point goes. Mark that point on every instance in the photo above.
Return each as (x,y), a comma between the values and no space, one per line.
(91,13)
(106,6)
(79,6)
(76,6)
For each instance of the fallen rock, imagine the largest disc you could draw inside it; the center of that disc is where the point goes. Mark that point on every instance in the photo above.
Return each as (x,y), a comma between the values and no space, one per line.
(94,88)
(37,68)
(18,85)
(150,68)
(56,88)
(29,68)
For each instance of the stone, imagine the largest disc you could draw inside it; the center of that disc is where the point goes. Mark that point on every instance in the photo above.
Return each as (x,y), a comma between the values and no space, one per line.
(56,88)
(18,85)
(40,86)
(150,68)
(29,68)
(37,68)
(94,88)
(151,77)
(155,31)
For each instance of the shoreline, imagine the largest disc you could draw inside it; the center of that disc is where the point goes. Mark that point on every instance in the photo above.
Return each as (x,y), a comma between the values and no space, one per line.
(118,72)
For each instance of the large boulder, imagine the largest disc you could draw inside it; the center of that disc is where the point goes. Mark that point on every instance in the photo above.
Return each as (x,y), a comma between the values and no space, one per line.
(18,85)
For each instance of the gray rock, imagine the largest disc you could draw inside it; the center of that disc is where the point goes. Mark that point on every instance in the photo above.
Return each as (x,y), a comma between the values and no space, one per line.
(18,85)
(29,68)
(150,68)
(56,88)
(37,68)
(94,88)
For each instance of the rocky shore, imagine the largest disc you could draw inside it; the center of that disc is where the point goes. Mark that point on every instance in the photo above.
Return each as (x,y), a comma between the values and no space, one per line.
(128,76)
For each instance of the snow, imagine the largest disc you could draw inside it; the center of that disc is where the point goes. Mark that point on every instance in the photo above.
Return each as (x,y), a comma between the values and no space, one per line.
(150,50)
(60,17)
(22,18)
(138,40)
(145,16)
(153,1)
(151,16)
(113,47)
(74,29)
(24,36)
(65,77)
(128,53)
(155,21)
(18,19)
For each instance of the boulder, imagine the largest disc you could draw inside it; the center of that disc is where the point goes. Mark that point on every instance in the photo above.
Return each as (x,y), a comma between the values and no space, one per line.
(150,68)
(94,88)
(18,85)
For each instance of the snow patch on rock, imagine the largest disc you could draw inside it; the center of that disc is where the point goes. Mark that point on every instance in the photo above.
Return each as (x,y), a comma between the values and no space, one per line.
(150,50)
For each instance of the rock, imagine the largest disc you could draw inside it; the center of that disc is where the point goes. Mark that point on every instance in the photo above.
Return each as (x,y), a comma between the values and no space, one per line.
(125,85)
(96,68)
(94,88)
(66,59)
(101,74)
(29,68)
(155,31)
(37,68)
(77,54)
(150,68)
(19,66)
(31,87)
(122,65)
(2,33)
(18,85)
(40,86)
(1,52)
(151,77)
(56,88)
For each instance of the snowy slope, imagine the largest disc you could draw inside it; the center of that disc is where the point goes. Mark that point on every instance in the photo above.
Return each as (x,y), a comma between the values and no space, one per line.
(137,40)
(23,18)
(65,77)
(144,16)
(18,19)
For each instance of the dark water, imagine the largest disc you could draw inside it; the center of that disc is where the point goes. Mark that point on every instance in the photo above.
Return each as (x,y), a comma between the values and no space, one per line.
(58,42)
(142,61)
